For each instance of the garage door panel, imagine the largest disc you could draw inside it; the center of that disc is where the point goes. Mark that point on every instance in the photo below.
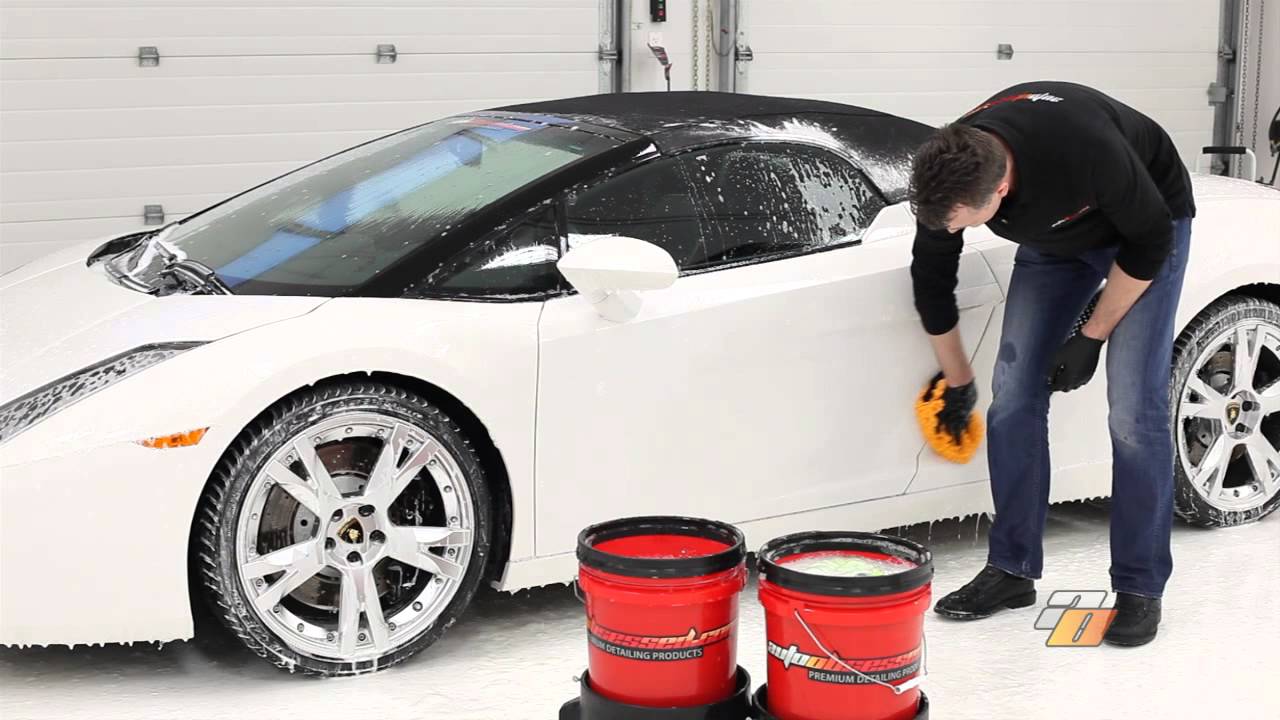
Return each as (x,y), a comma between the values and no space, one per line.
(197,122)
(26,241)
(817,73)
(936,61)
(187,22)
(105,154)
(932,61)
(303,4)
(1197,126)
(962,14)
(276,90)
(252,67)
(983,39)
(41,186)
(88,209)
(1189,143)
(245,92)
(364,46)
(955,103)
(215,29)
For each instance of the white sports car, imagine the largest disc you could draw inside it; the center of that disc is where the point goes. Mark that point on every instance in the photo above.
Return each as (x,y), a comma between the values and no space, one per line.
(342,400)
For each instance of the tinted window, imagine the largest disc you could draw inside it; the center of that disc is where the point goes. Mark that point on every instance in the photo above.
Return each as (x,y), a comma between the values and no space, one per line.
(651,202)
(731,204)
(518,260)
(336,224)
(771,199)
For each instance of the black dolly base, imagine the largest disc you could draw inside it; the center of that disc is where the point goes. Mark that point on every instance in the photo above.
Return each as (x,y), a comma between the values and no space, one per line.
(760,706)
(589,705)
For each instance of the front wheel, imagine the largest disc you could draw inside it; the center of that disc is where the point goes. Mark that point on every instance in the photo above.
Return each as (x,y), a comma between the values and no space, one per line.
(345,530)
(1226,406)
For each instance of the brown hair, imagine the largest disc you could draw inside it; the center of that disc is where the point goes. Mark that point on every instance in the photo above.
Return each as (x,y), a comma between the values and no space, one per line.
(958,165)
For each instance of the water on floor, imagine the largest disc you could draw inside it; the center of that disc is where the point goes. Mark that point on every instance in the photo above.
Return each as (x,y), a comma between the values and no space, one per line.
(515,656)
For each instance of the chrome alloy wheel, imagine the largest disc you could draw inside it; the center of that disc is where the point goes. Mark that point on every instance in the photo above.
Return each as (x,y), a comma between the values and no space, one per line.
(354,537)
(1228,412)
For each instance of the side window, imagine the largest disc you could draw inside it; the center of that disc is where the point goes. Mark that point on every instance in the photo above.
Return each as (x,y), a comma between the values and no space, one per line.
(767,199)
(519,259)
(652,202)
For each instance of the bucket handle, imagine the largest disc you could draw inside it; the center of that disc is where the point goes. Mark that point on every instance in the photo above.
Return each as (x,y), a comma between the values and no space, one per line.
(897,689)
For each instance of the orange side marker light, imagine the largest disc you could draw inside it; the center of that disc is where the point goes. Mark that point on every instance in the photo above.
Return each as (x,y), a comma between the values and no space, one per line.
(176,440)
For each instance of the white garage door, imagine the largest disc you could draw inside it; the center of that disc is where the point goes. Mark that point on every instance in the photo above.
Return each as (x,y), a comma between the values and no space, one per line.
(932,61)
(243,92)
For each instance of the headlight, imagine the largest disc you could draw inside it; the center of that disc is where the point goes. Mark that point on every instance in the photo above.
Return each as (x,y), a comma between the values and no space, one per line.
(22,413)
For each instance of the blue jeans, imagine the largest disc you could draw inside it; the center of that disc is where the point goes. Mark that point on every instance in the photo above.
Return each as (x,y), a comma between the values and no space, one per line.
(1046,296)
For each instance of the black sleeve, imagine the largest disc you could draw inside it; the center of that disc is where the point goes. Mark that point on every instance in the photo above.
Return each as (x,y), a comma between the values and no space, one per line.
(935,262)
(1127,195)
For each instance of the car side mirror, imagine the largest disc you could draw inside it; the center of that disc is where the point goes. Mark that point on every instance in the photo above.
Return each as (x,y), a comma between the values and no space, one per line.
(609,271)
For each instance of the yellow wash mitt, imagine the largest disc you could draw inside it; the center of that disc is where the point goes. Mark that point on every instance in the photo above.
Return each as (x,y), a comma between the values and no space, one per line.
(929,404)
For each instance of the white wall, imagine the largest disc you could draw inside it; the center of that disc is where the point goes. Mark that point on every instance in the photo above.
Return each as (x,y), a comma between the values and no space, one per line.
(677,38)
(932,60)
(244,91)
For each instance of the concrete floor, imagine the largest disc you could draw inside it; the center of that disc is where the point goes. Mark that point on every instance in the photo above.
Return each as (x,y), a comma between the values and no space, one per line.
(514,657)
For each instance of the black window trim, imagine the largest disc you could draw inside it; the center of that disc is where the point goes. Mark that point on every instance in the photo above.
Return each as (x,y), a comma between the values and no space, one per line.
(557,209)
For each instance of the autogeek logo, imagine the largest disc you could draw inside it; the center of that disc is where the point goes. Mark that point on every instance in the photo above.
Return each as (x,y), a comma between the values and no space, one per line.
(1077,618)
(848,671)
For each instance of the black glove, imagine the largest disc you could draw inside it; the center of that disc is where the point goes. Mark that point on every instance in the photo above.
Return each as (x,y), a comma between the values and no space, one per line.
(957,406)
(1074,364)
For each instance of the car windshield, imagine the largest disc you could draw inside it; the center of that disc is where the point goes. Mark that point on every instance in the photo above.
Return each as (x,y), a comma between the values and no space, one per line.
(334,225)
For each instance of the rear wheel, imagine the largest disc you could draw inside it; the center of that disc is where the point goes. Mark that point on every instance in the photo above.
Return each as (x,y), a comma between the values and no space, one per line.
(345,531)
(1226,404)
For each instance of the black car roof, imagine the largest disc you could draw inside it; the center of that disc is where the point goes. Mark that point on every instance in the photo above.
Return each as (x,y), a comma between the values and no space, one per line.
(880,143)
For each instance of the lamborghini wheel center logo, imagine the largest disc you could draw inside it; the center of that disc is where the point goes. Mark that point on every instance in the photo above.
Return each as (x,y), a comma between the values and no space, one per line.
(352,532)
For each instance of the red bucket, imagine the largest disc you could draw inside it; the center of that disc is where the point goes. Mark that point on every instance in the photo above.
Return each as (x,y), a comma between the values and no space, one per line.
(662,609)
(844,615)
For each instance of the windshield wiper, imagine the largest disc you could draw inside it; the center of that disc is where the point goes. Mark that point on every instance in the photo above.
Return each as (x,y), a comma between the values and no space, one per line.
(175,265)
(195,273)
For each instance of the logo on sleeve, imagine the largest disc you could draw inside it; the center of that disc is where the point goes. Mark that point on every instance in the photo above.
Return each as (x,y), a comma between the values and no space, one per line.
(1072,216)
(1029,97)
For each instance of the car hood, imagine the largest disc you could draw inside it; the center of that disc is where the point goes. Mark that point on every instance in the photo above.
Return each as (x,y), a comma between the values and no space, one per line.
(60,315)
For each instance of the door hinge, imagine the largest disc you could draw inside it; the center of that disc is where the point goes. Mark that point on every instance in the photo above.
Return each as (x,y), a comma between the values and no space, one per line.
(1218,94)
(1004,51)
(152,214)
(148,56)
(386,53)
(607,55)
(745,54)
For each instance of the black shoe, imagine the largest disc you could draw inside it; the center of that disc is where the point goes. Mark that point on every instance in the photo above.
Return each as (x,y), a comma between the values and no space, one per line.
(988,593)
(1136,620)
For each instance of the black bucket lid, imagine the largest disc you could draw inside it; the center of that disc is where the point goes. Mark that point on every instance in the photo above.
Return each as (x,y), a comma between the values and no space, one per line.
(734,553)
(770,557)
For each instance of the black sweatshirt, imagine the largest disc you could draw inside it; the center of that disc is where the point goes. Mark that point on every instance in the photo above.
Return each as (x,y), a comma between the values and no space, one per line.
(1088,172)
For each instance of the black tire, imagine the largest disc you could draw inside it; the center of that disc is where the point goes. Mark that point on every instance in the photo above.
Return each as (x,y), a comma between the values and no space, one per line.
(220,508)
(1207,329)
